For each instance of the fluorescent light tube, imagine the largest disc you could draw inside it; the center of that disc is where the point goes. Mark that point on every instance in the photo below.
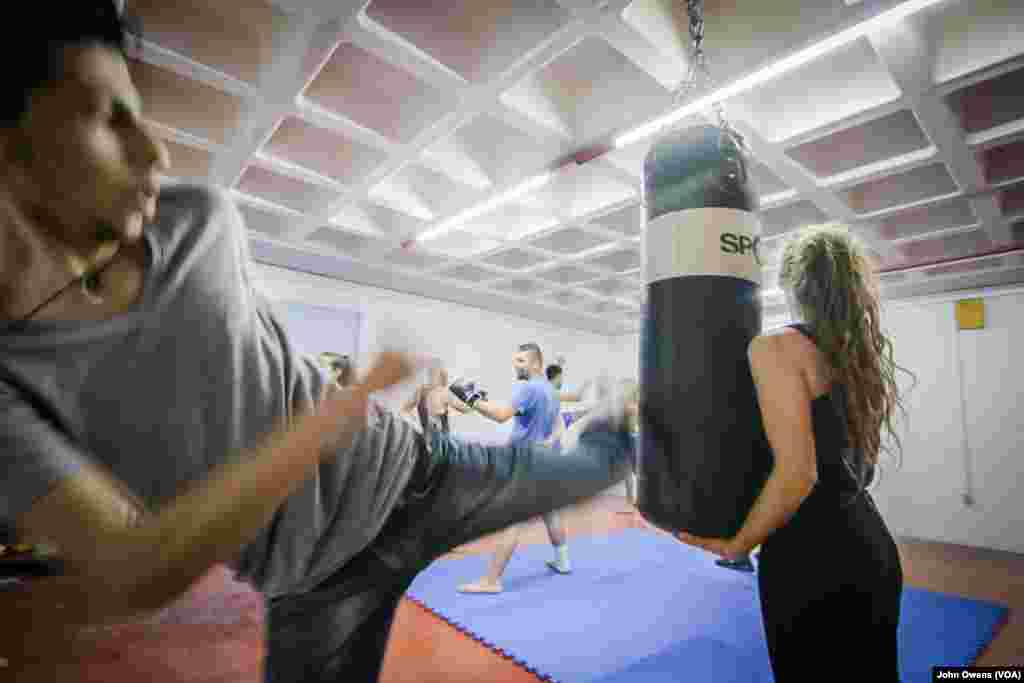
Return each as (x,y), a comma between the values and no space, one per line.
(775,70)
(480,209)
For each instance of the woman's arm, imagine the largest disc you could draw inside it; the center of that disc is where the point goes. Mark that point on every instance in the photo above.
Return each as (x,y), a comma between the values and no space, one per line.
(785,400)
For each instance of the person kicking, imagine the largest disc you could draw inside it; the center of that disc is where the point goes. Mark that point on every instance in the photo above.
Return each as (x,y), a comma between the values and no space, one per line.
(155,419)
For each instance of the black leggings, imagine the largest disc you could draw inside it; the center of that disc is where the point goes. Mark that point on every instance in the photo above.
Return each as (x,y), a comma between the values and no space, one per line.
(830,587)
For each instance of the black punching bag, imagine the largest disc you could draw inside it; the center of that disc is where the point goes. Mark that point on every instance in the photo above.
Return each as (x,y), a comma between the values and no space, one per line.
(703,454)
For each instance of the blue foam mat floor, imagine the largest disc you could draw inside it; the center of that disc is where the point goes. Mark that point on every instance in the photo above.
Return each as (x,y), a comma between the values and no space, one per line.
(640,606)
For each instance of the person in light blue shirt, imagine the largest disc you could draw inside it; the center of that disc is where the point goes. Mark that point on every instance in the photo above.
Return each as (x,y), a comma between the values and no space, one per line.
(535,407)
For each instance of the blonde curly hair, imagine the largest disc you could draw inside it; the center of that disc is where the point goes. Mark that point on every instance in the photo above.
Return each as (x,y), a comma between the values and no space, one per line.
(832,281)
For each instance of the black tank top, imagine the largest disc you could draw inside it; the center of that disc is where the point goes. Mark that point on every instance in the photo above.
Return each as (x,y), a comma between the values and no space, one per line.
(841,472)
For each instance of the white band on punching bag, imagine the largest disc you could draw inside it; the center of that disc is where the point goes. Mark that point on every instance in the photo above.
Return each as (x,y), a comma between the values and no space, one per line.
(705,241)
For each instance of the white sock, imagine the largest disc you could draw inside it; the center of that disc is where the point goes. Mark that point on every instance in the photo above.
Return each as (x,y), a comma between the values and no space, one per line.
(562,557)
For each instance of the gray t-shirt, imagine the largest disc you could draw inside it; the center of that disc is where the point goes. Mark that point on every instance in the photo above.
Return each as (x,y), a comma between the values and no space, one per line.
(196,373)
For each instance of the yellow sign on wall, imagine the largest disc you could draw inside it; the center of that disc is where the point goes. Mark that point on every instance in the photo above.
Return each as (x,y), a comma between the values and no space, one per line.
(970,314)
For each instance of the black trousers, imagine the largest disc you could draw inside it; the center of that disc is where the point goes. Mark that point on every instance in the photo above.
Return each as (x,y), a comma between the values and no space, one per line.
(339,630)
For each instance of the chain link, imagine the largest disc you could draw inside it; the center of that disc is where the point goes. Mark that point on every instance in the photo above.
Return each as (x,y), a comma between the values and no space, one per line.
(698,78)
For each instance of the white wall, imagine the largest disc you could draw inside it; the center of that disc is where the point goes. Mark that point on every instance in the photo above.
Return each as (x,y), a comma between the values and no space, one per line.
(951,448)
(624,355)
(964,428)
(468,341)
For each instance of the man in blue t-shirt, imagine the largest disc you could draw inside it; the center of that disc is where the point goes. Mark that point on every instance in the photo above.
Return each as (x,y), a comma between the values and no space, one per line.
(536,408)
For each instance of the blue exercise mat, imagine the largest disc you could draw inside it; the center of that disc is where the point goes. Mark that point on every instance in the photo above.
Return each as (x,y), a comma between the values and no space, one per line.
(640,606)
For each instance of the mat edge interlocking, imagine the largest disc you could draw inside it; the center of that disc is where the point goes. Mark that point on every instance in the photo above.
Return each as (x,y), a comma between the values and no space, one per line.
(493,647)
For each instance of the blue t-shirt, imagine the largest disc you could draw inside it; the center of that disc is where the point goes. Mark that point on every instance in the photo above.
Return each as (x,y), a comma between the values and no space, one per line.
(537,407)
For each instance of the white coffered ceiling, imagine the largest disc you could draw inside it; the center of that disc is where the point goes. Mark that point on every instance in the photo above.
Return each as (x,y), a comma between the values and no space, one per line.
(353,133)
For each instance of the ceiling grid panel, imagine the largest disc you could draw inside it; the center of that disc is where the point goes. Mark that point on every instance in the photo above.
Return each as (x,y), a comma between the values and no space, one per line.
(825,200)
(165,58)
(278,85)
(905,50)
(387,143)
(322,117)
(474,100)
(367,34)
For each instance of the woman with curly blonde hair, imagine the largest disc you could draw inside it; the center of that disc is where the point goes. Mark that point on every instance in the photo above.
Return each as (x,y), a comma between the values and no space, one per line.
(826,387)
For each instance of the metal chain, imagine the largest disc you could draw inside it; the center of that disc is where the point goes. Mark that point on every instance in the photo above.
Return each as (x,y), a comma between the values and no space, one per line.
(698,77)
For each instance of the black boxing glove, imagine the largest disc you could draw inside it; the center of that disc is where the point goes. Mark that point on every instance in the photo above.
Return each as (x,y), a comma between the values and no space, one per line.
(467,392)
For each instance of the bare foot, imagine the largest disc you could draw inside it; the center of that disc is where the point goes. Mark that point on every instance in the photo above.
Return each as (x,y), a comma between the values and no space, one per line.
(481,586)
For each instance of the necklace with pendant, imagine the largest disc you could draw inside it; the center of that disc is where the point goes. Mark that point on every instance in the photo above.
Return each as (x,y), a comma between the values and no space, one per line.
(90,284)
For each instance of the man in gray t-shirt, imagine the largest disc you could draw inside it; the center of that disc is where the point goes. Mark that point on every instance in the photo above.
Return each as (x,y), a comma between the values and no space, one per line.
(155,419)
